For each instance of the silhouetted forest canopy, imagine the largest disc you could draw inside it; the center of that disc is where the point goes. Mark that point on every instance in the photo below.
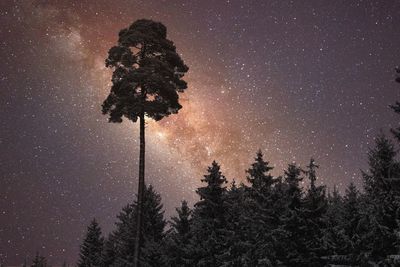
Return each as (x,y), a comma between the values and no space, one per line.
(287,220)
(266,221)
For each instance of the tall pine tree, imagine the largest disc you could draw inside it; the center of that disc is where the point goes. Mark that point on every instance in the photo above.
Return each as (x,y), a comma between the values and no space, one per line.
(146,80)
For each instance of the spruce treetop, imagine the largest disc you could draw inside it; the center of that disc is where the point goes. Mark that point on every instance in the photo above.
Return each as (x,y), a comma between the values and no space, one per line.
(212,194)
(91,249)
(258,173)
(214,178)
(384,170)
(181,223)
(292,175)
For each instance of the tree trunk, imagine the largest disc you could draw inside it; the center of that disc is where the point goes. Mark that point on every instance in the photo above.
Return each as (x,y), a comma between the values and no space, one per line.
(138,240)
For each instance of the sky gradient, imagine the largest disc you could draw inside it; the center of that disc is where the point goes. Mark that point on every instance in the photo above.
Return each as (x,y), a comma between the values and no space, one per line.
(296,79)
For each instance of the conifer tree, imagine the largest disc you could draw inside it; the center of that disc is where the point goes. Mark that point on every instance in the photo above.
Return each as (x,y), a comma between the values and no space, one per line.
(289,234)
(258,175)
(146,80)
(351,222)
(178,237)
(292,179)
(314,207)
(259,212)
(92,246)
(123,239)
(153,230)
(39,261)
(383,169)
(108,253)
(181,223)
(211,204)
(381,203)
(334,233)
(238,244)
(209,221)
(335,203)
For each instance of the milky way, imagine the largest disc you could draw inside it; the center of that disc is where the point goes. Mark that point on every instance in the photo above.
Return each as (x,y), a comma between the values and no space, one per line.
(295,79)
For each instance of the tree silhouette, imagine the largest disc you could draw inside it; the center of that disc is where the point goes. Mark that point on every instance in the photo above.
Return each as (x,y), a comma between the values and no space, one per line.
(119,250)
(146,80)
(208,241)
(39,261)
(178,237)
(313,210)
(92,246)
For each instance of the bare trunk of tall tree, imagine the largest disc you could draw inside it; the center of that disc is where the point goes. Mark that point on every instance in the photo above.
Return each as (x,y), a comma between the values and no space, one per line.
(138,241)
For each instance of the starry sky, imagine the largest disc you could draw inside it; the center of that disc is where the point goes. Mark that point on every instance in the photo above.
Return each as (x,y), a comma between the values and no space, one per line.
(297,79)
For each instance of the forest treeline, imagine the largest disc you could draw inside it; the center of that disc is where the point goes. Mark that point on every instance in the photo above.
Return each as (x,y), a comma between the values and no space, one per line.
(287,220)
(268,221)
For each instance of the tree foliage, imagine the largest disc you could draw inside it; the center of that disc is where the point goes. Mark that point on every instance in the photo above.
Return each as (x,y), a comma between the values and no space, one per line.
(147,73)
(39,261)
(92,246)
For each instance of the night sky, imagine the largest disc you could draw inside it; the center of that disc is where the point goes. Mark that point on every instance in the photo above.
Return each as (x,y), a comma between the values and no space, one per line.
(297,79)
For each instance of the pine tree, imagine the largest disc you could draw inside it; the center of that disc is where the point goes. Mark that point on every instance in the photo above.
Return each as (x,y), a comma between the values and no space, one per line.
(237,242)
(91,249)
(153,229)
(334,234)
(289,232)
(313,211)
(211,204)
(259,212)
(178,237)
(146,80)
(259,176)
(209,221)
(123,238)
(108,253)
(335,203)
(381,206)
(39,261)
(383,170)
(181,223)
(351,222)
(294,192)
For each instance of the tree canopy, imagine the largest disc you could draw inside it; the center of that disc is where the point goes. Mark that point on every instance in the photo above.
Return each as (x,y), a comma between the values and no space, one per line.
(147,74)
